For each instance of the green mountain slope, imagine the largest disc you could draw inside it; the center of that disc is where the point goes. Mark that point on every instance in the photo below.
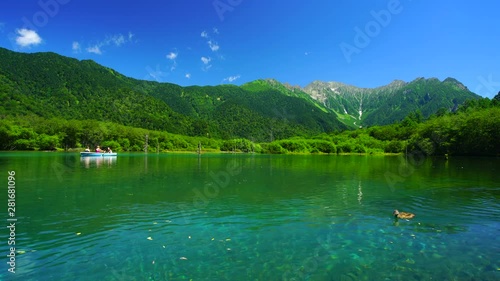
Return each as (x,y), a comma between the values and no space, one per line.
(391,103)
(49,85)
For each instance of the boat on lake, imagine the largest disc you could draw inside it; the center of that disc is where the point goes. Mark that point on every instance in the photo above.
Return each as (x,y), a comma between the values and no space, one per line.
(97,154)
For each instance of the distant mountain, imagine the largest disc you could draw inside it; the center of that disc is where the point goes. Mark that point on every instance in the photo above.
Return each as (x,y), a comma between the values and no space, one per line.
(54,86)
(391,103)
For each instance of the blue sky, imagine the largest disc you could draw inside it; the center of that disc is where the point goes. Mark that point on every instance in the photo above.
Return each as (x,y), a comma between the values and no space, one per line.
(209,42)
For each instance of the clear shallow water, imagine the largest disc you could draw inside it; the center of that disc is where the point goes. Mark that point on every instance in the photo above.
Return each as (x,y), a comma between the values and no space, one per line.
(252,217)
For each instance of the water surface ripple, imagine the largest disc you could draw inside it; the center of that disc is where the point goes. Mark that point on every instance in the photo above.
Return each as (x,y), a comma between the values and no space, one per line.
(253,217)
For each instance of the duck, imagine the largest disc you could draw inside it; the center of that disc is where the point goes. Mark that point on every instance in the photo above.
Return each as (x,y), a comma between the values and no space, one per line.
(403,215)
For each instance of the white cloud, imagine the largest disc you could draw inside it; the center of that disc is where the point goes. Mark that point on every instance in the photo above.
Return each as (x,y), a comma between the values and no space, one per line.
(213,45)
(27,37)
(156,74)
(117,40)
(188,75)
(76,47)
(205,60)
(232,78)
(94,50)
(172,56)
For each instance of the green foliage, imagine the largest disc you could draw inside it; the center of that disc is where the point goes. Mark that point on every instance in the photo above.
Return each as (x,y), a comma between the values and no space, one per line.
(112,144)
(391,103)
(496,98)
(53,86)
(50,102)
(46,142)
(467,132)
(272,148)
(238,145)
(295,145)
(474,131)
(394,146)
(322,146)
(35,133)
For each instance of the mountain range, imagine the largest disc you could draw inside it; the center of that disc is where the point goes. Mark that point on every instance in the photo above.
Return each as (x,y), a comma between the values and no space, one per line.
(53,86)
(390,103)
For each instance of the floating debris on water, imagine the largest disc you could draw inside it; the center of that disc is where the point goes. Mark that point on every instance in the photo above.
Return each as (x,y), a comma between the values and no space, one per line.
(410,261)
(150,238)
(183,258)
(354,256)
(78,233)
(437,256)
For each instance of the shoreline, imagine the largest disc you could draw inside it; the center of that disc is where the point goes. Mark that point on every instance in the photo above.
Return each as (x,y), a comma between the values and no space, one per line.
(75,151)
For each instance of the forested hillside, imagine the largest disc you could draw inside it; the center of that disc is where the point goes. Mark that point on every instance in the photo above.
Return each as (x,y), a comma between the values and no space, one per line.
(52,86)
(472,130)
(391,103)
(51,102)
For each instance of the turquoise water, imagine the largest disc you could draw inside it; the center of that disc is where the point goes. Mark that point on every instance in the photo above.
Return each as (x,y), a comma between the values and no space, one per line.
(252,217)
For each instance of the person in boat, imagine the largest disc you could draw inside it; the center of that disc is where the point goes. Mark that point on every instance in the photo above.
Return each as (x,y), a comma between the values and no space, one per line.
(109,150)
(87,149)
(98,149)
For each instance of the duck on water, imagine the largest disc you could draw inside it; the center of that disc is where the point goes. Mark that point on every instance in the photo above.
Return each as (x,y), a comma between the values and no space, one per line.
(402,215)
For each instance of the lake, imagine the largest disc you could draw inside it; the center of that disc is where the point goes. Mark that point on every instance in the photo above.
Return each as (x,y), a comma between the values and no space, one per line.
(251,217)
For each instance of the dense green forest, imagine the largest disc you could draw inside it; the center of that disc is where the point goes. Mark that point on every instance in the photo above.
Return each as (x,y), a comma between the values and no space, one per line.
(390,103)
(52,86)
(52,102)
(472,130)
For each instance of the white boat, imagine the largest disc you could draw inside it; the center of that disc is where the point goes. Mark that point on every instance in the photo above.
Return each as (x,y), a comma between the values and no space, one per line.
(97,154)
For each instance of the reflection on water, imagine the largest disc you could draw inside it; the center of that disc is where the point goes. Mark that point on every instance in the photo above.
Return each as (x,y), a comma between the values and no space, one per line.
(278,218)
(360,193)
(97,162)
